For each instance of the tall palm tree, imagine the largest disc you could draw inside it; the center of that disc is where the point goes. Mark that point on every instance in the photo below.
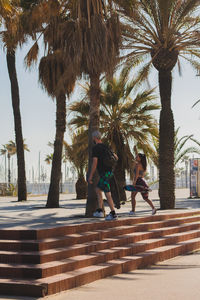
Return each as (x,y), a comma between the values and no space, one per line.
(125,120)
(84,38)
(55,75)
(158,33)
(10,37)
(100,41)
(49,65)
(77,153)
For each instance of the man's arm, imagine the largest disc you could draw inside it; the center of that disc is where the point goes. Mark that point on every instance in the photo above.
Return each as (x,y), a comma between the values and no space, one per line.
(93,169)
(115,155)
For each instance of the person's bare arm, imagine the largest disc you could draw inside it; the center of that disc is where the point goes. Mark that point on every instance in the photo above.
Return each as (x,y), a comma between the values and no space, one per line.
(115,155)
(93,169)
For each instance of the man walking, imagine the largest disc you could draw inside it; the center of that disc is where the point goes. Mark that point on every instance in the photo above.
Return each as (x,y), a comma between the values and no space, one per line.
(105,173)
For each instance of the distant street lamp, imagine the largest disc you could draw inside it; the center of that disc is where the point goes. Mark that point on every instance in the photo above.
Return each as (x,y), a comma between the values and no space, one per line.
(186,161)
(186,172)
(9,172)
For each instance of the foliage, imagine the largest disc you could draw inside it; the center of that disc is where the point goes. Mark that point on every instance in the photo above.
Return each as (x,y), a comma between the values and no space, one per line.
(122,112)
(49,158)
(157,32)
(77,152)
(180,152)
(11,149)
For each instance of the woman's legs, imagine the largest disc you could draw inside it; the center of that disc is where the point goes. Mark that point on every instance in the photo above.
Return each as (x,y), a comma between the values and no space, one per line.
(146,198)
(133,201)
(150,202)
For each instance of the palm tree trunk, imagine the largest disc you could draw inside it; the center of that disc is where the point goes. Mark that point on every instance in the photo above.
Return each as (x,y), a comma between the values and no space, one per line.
(166,143)
(53,195)
(22,192)
(92,202)
(120,177)
(119,171)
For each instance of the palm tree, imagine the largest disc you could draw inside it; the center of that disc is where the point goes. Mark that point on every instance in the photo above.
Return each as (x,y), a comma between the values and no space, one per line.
(180,152)
(83,37)
(158,33)
(77,154)
(125,120)
(100,41)
(10,37)
(49,158)
(9,150)
(55,77)
(49,65)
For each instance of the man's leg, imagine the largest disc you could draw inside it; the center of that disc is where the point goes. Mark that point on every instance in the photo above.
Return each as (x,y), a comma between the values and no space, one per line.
(110,201)
(112,215)
(104,185)
(99,213)
(100,198)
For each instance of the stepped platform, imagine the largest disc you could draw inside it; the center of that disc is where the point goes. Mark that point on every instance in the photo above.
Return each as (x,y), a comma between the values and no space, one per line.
(37,262)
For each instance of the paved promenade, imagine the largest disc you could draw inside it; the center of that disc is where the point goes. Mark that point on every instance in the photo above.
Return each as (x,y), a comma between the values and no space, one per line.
(177,278)
(33,214)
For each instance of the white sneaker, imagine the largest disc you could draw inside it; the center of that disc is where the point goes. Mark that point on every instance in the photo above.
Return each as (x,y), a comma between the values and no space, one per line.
(98,214)
(132,213)
(111,217)
(154,211)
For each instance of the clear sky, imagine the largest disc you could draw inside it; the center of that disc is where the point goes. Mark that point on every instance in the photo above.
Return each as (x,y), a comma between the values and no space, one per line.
(38,110)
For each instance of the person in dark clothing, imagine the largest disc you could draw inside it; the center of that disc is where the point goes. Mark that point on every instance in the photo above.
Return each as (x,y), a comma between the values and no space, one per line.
(105,174)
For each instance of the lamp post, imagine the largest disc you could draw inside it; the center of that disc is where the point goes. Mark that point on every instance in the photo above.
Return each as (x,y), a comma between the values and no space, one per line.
(186,172)
(9,173)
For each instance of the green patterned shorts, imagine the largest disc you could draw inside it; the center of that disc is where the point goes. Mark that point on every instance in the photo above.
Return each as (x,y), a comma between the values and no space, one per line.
(103,183)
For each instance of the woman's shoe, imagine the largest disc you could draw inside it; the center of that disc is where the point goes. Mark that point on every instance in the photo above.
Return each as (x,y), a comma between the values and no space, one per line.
(132,213)
(154,211)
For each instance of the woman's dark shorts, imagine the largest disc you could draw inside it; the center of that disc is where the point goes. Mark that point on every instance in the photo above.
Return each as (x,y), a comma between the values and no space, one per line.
(104,181)
(142,187)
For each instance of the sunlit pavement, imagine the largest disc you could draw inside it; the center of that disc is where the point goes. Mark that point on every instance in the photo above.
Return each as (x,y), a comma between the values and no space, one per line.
(33,214)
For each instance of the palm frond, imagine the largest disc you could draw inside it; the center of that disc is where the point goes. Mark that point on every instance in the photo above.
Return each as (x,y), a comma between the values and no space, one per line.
(195,103)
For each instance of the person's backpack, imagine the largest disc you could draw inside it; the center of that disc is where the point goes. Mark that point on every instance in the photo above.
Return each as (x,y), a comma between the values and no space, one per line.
(109,159)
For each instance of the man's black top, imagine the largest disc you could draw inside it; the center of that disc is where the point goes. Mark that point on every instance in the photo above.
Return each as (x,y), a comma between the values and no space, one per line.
(99,151)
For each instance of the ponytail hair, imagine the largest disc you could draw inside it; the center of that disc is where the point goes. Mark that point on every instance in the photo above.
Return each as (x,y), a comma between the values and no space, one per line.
(143,160)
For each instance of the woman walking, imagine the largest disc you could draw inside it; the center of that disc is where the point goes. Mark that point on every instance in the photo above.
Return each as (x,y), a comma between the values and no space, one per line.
(139,183)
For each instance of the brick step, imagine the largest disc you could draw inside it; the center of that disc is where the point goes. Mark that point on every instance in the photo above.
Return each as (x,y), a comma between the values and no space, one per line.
(78,238)
(48,243)
(72,279)
(66,265)
(36,257)
(38,234)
